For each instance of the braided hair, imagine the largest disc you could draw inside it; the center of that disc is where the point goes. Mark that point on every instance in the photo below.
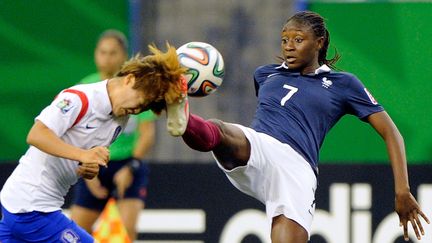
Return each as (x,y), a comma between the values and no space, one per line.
(316,23)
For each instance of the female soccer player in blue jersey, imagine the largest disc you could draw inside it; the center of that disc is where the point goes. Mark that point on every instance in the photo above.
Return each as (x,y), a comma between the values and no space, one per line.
(70,139)
(299,101)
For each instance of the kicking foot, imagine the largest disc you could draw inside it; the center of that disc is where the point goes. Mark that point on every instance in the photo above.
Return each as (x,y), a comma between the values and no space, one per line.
(178,112)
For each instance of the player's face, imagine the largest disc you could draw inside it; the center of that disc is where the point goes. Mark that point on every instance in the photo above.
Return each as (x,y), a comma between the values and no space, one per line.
(109,56)
(300,47)
(130,101)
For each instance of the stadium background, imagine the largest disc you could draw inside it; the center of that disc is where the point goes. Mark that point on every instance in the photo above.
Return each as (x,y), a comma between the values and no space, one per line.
(47,45)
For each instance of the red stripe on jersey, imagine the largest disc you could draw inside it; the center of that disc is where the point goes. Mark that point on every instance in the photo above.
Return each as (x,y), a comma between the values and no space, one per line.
(84,101)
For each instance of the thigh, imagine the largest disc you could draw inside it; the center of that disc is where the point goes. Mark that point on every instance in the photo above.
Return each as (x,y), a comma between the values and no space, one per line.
(285,230)
(277,176)
(72,233)
(6,234)
(6,223)
(290,190)
(249,178)
(39,227)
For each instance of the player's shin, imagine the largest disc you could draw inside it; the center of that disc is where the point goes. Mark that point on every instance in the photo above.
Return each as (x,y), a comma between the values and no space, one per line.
(201,135)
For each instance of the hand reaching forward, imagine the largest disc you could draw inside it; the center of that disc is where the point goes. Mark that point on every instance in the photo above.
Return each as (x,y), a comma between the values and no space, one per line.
(408,210)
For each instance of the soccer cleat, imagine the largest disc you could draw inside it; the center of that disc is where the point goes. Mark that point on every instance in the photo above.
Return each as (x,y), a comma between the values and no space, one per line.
(178,112)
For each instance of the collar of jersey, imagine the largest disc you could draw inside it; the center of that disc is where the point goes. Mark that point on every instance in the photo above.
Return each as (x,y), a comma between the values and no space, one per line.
(105,105)
(323,69)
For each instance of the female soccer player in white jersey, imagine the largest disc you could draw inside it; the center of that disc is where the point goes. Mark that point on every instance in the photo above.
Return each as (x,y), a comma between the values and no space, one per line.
(299,101)
(70,138)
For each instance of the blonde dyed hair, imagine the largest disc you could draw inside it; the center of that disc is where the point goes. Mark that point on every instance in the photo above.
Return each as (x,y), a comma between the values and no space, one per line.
(157,74)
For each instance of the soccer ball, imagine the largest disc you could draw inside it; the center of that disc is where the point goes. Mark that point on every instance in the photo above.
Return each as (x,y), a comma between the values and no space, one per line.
(205,66)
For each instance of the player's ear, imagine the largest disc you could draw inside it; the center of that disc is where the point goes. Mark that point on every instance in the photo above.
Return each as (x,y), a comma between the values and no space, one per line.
(129,79)
(320,42)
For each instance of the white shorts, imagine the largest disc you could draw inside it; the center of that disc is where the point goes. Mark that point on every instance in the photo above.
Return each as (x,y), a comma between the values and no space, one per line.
(277,176)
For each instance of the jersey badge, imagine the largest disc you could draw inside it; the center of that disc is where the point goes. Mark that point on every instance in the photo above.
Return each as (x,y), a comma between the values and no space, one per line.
(64,105)
(326,83)
(69,236)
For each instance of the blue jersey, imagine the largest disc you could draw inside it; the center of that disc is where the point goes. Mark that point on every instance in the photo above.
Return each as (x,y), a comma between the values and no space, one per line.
(299,110)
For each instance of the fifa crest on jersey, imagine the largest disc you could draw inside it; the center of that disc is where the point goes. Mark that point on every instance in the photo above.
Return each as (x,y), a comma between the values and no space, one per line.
(64,105)
(326,83)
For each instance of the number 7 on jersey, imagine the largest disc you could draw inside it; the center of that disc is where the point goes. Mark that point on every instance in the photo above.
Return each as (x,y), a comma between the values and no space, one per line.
(291,92)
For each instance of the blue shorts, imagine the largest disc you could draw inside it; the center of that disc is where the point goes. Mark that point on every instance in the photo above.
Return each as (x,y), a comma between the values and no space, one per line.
(138,189)
(38,227)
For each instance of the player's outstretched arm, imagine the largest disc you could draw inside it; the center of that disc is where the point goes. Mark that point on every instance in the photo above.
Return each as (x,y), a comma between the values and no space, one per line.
(46,140)
(406,205)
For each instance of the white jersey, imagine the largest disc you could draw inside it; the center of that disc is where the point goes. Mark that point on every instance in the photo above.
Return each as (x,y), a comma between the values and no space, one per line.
(40,181)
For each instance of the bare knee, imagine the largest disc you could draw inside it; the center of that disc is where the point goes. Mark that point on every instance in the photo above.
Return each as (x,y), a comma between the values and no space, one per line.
(218,123)
(285,230)
(234,148)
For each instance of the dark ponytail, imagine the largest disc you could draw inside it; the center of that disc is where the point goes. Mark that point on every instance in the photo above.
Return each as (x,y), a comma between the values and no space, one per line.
(322,55)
